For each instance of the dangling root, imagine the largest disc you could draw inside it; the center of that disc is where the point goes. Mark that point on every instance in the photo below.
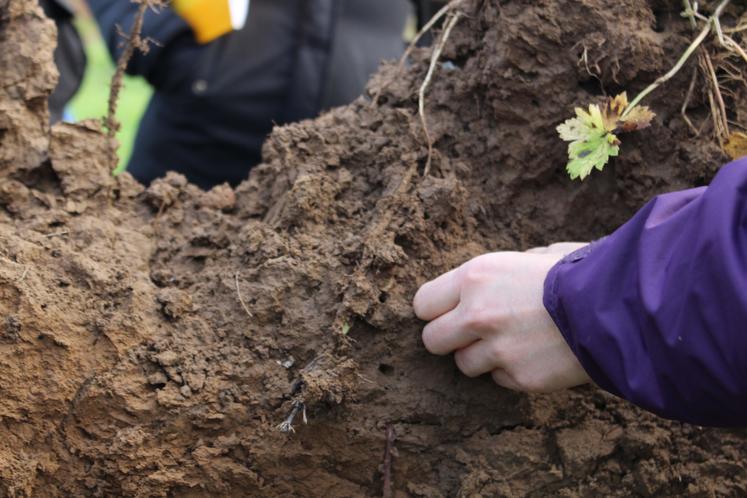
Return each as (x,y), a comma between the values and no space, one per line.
(133,42)
(716,100)
(414,43)
(715,91)
(453,19)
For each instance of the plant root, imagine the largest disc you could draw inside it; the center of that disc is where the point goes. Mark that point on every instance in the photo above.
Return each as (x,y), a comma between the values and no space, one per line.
(414,43)
(716,100)
(132,43)
(452,21)
(383,214)
(241,298)
(686,103)
(696,43)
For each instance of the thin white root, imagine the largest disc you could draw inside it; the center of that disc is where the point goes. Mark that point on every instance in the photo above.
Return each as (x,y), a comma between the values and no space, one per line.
(711,25)
(426,82)
(241,298)
(414,43)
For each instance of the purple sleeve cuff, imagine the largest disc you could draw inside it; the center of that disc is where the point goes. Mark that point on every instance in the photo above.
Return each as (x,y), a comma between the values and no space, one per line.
(657,312)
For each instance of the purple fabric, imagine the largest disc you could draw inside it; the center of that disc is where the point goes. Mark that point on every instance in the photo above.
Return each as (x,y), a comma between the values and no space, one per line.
(657,312)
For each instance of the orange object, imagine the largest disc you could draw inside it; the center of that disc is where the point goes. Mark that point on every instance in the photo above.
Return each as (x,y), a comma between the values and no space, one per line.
(209,19)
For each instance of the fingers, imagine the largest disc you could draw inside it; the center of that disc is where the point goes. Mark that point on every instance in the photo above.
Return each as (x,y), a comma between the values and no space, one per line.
(438,296)
(563,248)
(447,333)
(478,358)
(503,379)
(538,250)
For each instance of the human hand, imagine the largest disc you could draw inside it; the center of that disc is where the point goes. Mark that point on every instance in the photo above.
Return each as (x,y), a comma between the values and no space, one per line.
(489,311)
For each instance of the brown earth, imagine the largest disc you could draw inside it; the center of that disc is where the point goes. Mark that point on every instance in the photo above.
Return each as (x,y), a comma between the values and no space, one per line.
(151,341)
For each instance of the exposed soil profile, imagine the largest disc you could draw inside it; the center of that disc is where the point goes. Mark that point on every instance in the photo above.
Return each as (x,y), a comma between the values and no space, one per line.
(152,340)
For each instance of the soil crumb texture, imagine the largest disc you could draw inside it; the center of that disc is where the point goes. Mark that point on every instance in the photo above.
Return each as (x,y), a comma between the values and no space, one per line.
(260,341)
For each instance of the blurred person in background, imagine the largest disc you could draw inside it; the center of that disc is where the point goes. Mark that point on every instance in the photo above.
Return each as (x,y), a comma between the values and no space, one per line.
(224,72)
(69,56)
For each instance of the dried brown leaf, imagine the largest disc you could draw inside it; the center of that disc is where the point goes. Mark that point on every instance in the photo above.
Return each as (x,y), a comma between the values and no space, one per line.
(736,145)
(637,119)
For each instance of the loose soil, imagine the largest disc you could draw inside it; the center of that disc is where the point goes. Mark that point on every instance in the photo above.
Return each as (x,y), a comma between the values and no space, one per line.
(152,340)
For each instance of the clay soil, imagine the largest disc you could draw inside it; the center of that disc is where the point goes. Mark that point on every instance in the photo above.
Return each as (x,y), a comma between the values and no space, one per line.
(152,340)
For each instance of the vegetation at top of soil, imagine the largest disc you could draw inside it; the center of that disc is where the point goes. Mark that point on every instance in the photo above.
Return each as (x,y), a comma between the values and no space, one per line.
(592,134)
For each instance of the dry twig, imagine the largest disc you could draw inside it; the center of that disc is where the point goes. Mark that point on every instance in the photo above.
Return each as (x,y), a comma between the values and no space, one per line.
(387,491)
(716,100)
(686,102)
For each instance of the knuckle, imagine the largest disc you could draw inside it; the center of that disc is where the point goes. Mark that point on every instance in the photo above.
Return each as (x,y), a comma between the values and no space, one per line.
(482,318)
(477,269)
(483,268)
(497,353)
(472,274)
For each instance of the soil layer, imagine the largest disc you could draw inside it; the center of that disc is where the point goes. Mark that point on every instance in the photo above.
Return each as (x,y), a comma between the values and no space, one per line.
(152,340)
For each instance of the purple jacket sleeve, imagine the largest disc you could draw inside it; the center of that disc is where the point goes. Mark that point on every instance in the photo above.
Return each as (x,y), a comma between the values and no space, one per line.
(657,312)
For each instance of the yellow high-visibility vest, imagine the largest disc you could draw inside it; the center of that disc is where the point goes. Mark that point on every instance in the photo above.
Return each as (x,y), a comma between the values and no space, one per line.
(211,19)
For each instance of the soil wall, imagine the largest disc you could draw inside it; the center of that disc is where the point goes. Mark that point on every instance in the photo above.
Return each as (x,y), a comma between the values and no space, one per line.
(152,340)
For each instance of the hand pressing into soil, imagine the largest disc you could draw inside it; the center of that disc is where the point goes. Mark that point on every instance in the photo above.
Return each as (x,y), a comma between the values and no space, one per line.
(489,312)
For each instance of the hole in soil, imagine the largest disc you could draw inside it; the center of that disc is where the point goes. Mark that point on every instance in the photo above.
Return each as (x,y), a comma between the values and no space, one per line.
(421,165)
(663,19)
(403,242)
(386,369)
(42,178)
(383,297)
(592,86)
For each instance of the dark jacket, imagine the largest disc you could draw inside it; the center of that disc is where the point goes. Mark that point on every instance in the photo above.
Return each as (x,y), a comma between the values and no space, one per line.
(215,104)
(657,311)
(69,56)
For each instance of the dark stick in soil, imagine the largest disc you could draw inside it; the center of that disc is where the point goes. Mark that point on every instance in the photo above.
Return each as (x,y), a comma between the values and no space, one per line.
(387,468)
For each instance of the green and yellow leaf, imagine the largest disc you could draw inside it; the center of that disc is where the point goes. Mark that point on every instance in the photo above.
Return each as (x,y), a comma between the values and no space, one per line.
(592,133)
(592,153)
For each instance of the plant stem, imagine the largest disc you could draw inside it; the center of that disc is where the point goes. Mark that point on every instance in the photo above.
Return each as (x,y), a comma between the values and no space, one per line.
(690,13)
(681,62)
